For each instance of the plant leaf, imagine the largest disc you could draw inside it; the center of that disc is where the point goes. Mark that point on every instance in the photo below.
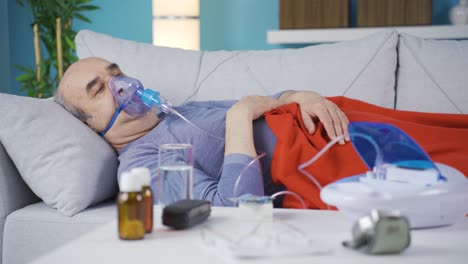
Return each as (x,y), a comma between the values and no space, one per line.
(87,8)
(82,18)
(62,4)
(23,78)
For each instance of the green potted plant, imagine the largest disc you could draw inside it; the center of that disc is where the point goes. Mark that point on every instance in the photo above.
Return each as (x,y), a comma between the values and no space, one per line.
(52,27)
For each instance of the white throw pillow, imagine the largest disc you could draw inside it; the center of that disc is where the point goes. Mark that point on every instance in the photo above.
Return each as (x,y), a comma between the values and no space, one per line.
(362,69)
(432,75)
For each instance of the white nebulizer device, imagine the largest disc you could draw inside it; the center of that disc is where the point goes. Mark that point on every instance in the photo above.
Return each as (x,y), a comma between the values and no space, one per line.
(402,178)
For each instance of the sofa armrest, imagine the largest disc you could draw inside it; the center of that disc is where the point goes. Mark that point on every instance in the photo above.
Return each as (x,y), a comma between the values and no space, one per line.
(14,193)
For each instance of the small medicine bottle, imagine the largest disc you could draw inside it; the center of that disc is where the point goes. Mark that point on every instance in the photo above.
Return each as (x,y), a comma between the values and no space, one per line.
(144,176)
(131,209)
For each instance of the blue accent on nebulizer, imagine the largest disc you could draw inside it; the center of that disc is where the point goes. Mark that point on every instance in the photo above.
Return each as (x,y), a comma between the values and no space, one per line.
(149,97)
(381,145)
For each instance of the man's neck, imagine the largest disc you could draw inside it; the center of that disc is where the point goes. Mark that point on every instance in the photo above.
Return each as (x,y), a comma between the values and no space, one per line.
(126,130)
(122,142)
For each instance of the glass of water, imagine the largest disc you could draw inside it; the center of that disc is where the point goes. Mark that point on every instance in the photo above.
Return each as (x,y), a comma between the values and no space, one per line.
(175,173)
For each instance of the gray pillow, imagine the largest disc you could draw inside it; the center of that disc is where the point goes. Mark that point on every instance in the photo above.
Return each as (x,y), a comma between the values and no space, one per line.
(64,162)
(432,75)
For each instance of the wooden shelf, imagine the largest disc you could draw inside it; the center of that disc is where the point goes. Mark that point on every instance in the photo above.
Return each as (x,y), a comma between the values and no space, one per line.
(307,36)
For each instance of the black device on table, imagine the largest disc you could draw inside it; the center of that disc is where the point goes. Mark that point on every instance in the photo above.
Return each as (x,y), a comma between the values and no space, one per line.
(186,213)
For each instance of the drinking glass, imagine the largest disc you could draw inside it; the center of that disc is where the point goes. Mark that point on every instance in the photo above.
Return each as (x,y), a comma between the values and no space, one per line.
(175,173)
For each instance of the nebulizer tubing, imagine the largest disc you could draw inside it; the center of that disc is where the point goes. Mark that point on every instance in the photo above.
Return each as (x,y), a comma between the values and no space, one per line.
(301,167)
(299,198)
(173,111)
(273,196)
(378,161)
(151,98)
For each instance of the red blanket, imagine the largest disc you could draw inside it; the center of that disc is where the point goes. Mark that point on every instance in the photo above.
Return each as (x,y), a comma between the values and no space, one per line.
(443,136)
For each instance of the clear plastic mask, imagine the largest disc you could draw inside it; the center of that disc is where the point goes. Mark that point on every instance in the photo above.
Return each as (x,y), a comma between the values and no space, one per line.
(131,97)
(127,95)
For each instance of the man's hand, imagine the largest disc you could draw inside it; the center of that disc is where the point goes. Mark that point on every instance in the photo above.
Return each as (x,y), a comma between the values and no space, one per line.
(315,107)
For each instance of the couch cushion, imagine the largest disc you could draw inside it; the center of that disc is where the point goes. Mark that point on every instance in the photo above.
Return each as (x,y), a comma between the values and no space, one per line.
(432,75)
(64,162)
(362,69)
(14,193)
(38,229)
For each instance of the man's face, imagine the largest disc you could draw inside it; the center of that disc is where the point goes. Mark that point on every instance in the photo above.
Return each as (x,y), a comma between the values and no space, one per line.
(85,86)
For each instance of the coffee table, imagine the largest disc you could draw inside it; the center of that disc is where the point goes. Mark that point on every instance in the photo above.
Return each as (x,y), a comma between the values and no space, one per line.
(326,229)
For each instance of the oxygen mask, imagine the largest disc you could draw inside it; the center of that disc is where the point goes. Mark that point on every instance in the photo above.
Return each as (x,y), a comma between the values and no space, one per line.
(126,92)
(131,97)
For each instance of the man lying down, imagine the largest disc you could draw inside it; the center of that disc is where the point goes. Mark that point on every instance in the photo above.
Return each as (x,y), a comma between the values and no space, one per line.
(290,127)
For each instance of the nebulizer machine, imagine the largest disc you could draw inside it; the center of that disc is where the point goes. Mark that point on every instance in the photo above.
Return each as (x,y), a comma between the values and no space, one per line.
(401,177)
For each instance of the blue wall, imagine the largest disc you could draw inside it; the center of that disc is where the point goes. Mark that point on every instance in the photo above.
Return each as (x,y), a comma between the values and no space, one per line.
(4,48)
(21,41)
(225,24)
(124,19)
(237,24)
(128,19)
(440,11)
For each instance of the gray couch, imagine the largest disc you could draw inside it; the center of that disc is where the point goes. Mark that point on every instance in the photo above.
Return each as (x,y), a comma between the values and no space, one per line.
(386,69)
(28,227)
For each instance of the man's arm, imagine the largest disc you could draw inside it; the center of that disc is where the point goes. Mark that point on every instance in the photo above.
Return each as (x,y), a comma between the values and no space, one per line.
(239,118)
(219,191)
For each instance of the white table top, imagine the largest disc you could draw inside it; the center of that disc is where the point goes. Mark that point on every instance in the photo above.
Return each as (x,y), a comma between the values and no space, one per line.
(327,228)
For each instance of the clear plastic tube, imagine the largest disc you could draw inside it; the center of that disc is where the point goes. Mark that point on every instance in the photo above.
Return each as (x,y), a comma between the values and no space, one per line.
(379,156)
(299,198)
(167,107)
(273,196)
(243,171)
(302,167)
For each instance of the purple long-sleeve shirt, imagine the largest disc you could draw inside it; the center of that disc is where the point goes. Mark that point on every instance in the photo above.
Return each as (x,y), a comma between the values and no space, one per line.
(214,174)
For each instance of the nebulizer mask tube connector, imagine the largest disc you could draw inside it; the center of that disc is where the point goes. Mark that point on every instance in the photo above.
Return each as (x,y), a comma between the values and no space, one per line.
(153,98)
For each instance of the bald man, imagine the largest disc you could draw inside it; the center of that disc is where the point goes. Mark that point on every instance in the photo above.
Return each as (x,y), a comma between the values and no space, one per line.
(84,92)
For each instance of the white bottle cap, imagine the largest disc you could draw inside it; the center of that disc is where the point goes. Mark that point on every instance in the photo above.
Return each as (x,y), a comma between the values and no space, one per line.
(143,175)
(129,183)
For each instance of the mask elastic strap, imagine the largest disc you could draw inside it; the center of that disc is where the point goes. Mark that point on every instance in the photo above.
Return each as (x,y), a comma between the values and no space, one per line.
(116,114)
